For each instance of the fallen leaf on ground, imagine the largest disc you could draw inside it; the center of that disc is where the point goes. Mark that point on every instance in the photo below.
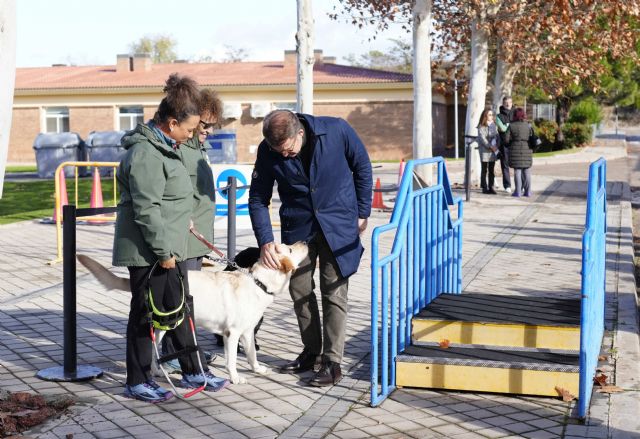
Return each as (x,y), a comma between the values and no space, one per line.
(609,389)
(565,394)
(600,380)
(602,358)
(444,344)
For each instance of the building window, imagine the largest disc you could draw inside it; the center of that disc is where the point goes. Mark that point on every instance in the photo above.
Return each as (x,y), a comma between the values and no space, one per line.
(284,106)
(130,117)
(57,120)
(544,111)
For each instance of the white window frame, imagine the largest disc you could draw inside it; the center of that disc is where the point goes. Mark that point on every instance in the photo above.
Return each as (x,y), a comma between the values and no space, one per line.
(58,114)
(134,117)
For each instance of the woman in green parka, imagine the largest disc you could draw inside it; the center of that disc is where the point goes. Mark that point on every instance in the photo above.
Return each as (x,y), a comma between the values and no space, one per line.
(194,157)
(151,230)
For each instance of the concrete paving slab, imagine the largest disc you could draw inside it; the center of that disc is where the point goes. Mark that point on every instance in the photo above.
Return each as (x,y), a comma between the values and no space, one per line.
(511,246)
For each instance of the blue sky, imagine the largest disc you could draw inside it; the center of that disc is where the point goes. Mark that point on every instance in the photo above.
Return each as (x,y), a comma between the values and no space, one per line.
(90,32)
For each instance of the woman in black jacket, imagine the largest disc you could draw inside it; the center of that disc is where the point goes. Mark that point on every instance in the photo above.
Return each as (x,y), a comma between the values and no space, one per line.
(520,157)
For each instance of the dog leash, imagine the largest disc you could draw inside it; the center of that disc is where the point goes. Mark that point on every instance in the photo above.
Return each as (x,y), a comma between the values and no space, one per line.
(226,260)
(203,240)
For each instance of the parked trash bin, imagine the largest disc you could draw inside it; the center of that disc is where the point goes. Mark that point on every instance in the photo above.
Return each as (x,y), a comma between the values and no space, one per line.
(105,146)
(54,148)
(222,146)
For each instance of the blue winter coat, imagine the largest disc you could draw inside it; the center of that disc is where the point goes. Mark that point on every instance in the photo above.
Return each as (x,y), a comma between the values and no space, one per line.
(333,197)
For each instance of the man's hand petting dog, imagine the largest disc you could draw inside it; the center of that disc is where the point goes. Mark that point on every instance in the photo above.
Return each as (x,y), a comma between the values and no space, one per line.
(269,256)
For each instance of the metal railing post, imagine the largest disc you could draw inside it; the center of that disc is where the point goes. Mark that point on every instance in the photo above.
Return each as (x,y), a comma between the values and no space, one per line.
(231,218)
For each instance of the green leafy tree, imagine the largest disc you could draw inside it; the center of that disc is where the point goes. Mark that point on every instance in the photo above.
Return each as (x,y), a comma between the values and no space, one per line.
(234,54)
(161,47)
(397,58)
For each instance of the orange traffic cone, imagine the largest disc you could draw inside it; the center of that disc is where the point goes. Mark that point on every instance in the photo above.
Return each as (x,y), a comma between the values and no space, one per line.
(64,200)
(96,195)
(400,171)
(377,197)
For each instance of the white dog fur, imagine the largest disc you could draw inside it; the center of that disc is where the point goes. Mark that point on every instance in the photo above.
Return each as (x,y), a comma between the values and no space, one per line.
(227,302)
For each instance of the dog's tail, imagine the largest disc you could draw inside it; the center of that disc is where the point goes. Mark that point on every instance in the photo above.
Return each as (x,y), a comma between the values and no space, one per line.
(104,276)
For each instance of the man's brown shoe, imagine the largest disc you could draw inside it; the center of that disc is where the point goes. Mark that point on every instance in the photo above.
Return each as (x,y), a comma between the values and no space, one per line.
(329,374)
(305,361)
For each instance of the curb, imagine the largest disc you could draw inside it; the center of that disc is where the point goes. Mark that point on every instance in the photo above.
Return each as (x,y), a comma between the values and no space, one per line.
(625,407)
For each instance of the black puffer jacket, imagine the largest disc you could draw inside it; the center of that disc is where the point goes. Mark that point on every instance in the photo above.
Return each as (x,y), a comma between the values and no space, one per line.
(517,137)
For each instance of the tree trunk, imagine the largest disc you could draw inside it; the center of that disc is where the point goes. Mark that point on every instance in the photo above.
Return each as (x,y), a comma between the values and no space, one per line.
(304,47)
(562,112)
(503,80)
(422,105)
(7,77)
(477,90)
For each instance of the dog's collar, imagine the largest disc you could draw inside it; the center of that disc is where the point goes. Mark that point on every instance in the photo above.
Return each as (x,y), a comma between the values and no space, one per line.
(262,286)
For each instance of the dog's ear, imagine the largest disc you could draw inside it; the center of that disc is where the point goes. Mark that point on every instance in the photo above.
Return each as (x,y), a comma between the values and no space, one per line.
(286,265)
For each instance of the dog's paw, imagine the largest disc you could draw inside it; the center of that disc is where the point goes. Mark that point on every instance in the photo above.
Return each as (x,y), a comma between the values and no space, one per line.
(261,370)
(238,379)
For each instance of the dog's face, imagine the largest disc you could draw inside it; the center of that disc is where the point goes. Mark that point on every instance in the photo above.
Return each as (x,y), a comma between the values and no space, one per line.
(291,256)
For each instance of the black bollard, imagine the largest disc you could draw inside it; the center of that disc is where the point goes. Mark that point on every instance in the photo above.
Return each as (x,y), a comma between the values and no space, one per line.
(232,184)
(70,370)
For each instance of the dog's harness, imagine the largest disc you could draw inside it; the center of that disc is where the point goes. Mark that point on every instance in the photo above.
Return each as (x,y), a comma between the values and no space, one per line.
(230,263)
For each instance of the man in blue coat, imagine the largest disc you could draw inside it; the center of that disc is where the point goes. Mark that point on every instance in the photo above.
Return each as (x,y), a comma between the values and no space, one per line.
(324,182)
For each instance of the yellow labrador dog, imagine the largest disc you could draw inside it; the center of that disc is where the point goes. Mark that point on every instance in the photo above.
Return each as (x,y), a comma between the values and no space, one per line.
(228,302)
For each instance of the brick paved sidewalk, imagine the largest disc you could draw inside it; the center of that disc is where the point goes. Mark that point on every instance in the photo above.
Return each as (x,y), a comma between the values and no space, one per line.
(511,246)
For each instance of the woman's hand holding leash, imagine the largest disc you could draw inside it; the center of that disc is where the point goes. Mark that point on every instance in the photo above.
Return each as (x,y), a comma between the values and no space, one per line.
(168,263)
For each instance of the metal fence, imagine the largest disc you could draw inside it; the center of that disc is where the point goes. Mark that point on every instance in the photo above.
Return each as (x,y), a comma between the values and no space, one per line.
(593,281)
(425,260)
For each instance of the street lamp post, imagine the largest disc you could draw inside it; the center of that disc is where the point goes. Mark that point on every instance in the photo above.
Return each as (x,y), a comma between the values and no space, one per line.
(455,113)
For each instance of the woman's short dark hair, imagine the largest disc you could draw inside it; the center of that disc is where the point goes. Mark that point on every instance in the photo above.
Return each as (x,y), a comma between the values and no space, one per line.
(210,104)
(279,126)
(519,115)
(182,99)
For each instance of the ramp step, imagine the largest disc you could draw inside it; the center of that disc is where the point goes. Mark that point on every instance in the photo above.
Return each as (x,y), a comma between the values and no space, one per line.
(498,347)
(489,319)
(488,370)
(494,308)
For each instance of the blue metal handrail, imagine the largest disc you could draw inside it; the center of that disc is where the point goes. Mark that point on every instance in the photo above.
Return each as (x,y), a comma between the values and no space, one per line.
(593,281)
(425,261)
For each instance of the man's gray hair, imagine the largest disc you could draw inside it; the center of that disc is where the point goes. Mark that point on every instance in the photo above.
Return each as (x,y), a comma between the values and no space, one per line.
(279,126)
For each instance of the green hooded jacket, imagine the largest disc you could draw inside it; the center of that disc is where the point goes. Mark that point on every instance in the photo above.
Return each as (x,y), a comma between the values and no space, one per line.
(156,199)
(194,157)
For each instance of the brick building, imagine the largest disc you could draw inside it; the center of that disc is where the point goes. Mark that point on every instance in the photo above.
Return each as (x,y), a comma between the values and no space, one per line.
(378,104)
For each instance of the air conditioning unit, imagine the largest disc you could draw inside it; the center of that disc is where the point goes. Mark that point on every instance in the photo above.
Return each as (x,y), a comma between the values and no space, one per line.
(232,110)
(260,109)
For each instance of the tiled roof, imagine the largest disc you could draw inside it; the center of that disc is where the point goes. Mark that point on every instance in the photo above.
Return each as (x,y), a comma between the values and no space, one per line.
(214,74)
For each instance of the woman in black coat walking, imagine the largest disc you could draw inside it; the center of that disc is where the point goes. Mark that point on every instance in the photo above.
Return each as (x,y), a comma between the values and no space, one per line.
(520,157)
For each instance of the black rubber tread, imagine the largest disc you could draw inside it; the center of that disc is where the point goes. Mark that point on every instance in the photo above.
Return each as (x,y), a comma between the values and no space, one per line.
(493,308)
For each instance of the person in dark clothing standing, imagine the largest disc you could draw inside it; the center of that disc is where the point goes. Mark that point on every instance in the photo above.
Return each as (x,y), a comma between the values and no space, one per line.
(324,181)
(503,119)
(521,155)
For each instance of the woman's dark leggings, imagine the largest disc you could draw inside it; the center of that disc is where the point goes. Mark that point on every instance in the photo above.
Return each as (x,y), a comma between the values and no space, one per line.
(165,287)
(490,166)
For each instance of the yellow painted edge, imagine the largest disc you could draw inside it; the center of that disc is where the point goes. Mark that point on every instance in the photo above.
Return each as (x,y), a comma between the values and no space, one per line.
(485,379)
(497,334)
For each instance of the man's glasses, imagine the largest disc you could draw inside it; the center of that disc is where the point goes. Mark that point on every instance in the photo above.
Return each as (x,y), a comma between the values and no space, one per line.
(287,149)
